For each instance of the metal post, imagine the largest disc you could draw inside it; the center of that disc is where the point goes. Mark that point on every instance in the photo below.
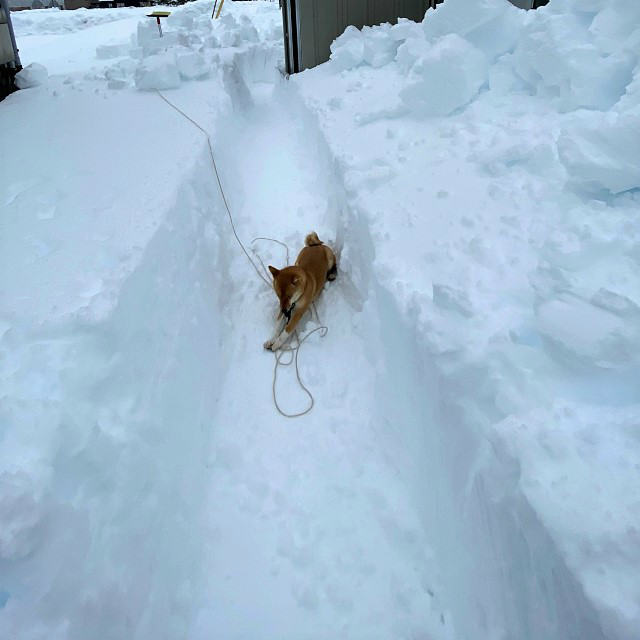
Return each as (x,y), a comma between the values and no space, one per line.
(5,7)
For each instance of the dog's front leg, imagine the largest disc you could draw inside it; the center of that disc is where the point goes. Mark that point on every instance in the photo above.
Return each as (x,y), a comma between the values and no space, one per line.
(288,329)
(281,323)
(295,318)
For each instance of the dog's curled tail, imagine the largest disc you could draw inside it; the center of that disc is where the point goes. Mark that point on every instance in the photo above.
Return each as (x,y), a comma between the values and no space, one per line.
(312,239)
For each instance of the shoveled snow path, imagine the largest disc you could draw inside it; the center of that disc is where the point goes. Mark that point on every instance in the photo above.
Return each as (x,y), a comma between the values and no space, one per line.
(311,528)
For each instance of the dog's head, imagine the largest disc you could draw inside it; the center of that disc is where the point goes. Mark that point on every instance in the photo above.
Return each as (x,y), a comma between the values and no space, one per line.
(289,284)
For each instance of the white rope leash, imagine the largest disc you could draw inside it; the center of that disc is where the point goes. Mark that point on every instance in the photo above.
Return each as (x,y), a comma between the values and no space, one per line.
(262,264)
(295,351)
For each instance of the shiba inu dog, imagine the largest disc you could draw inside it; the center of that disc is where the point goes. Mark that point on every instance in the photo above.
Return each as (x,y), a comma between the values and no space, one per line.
(299,285)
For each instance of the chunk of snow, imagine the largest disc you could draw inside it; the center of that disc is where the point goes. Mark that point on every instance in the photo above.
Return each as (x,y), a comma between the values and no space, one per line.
(158,72)
(32,75)
(445,77)
(592,334)
(379,47)
(405,29)
(347,50)
(147,31)
(191,65)
(447,297)
(602,152)
(149,39)
(493,26)
(559,62)
(615,25)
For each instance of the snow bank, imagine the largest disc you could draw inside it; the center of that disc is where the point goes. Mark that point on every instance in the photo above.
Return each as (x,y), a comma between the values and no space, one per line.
(495,158)
(89,460)
(577,461)
(572,57)
(109,353)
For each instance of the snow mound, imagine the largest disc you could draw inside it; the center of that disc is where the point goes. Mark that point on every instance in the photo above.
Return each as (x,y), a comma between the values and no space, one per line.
(191,45)
(32,75)
(571,55)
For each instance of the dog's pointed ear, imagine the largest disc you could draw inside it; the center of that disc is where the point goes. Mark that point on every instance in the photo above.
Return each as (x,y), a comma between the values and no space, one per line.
(274,271)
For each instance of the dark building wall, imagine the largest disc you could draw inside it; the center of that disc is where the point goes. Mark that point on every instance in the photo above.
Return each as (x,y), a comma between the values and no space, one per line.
(9,57)
(77,4)
(317,23)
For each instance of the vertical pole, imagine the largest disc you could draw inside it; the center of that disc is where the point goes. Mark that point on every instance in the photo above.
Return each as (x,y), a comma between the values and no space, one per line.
(159,25)
(5,8)
(293,36)
(214,8)
(219,9)
(285,31)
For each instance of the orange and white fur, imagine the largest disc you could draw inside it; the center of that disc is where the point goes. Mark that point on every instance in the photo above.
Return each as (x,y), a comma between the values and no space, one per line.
(299,285)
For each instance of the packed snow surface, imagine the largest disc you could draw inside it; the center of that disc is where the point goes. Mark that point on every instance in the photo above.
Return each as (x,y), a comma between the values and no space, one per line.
(40,22)
(471,466)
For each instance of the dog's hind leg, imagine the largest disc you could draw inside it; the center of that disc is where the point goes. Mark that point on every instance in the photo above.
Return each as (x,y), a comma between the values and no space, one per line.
(332,272)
